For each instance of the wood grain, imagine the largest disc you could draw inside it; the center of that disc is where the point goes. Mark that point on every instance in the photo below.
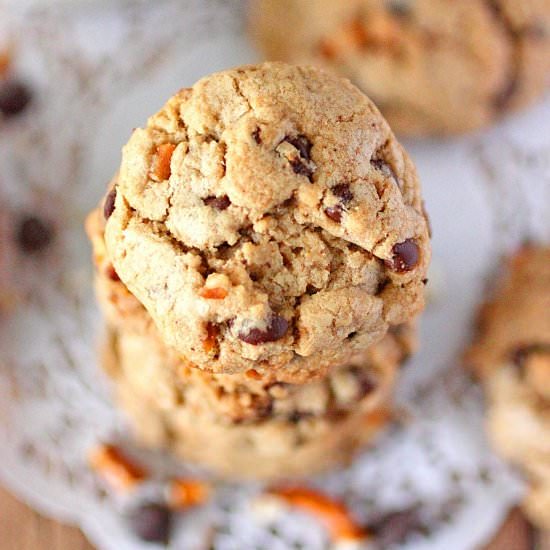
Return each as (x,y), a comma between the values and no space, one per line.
(24,529)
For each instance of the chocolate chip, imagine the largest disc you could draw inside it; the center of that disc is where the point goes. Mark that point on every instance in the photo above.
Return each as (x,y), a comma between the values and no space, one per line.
(14,98)
(301,169)
(257,135)
(405,256)
(276,329)
(34,234)
(151,522)
(334,213)
(399,8)
(343,192)
(300,164)
(109,204)
(311,290)
(396,527)
(303,145)
(219,203)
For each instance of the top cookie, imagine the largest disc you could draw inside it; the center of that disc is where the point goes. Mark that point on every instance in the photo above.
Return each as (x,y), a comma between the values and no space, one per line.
(431,66)
(267,218)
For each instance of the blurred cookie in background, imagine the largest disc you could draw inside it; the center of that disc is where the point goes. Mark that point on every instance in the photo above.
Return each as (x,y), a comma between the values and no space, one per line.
(511,355)
(433,67)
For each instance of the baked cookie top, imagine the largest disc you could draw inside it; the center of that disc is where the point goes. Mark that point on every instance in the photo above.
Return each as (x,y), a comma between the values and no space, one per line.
(267,216)
(431,66)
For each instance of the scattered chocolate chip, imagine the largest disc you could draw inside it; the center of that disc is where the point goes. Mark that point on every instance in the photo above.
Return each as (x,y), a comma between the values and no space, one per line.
(343,192)
(351,335)
(396,527)
(399,8)
(151,522)
(276,329)
(334,213)
(34,234)
(109,204)
(219,203)
(256,134)
(405,256)
(424,282)
(14,97)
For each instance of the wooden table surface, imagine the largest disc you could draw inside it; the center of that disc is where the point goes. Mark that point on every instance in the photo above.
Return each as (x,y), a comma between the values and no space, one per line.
(24,529)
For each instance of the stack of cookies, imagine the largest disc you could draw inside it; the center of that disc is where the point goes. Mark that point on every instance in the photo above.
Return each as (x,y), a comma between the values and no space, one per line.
(261,258)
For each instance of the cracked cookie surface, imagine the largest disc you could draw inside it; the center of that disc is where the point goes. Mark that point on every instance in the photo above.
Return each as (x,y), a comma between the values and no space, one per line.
(267,218)
(511,354)
(431,66)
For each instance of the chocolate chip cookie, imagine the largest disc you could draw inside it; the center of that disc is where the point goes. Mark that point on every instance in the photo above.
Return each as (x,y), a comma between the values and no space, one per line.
(268,219)
(511,355)
(240,426)
(431,66)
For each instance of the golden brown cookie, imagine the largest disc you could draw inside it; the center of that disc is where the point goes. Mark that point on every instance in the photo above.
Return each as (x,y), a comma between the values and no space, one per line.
(242,427)
(511,355)
(431,66)
(268,219)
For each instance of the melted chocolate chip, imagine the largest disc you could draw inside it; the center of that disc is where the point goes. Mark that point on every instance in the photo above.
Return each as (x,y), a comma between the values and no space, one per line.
(405,256)
(151,522)
(34,234)
(343,192)
(219,203)
(109,204)
(334,213)
(277,328)
(14,98)
(256,134)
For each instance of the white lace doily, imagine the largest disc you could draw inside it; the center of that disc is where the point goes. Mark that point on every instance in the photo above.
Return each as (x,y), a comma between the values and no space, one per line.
(95,75)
